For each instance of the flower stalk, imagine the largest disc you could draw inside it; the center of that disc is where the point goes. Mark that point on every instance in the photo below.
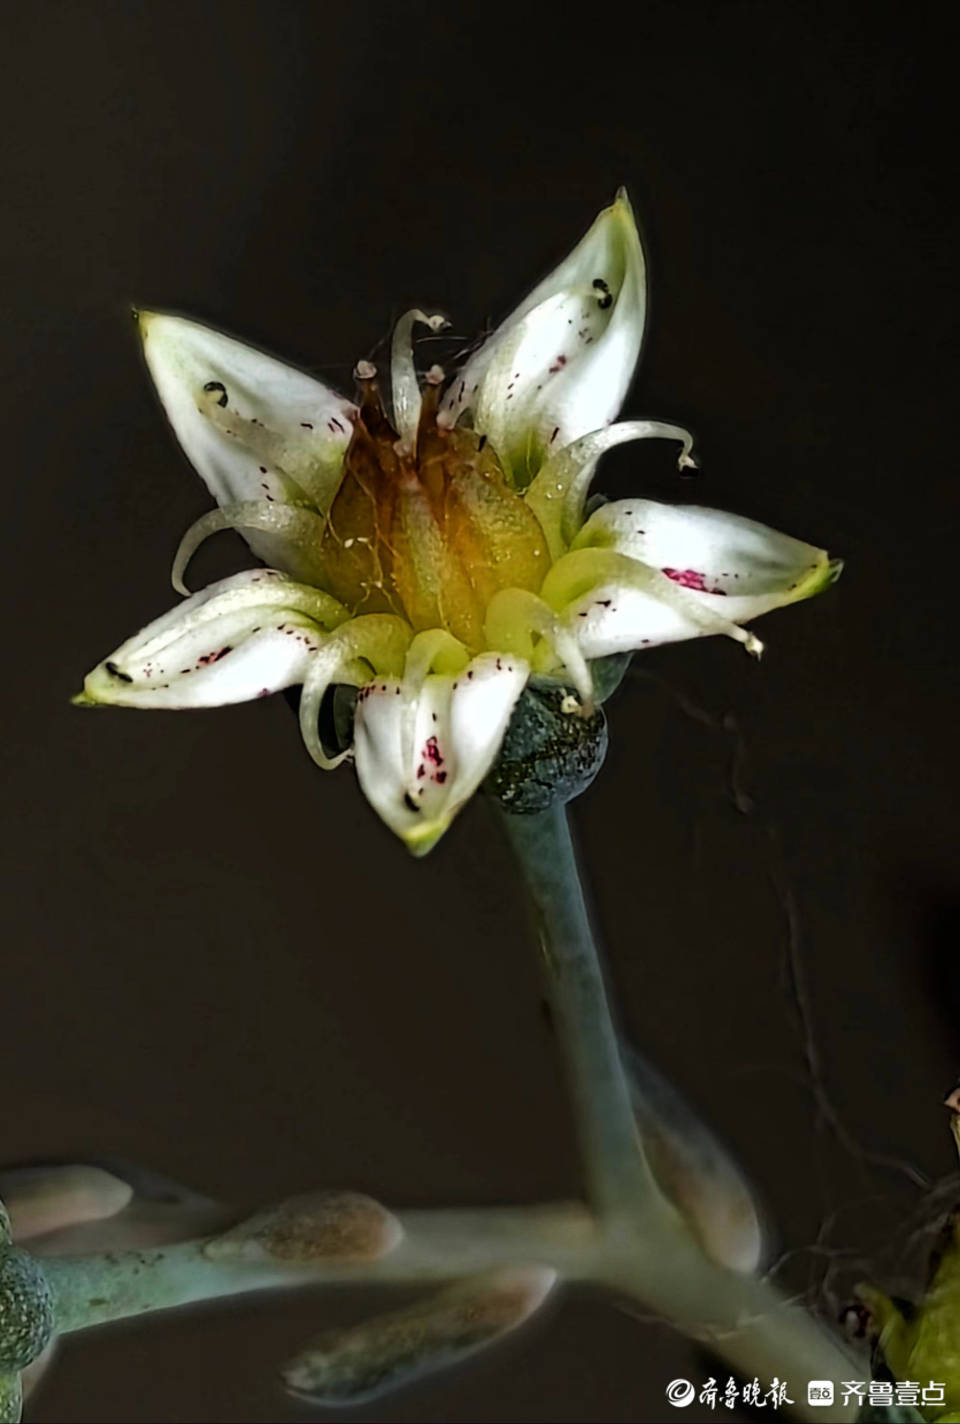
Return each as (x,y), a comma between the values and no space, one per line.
(616,1168)
(645,1250)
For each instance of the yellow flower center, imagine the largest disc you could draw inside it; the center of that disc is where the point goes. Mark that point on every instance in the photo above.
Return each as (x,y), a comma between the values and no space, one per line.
(428,529)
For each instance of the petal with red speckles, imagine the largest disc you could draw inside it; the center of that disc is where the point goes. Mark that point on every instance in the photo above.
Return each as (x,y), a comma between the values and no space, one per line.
(560,365)
(735,567)
(241,638)
(421,754)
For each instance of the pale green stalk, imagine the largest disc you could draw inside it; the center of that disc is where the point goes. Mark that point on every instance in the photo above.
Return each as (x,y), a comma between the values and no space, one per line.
(629,1238)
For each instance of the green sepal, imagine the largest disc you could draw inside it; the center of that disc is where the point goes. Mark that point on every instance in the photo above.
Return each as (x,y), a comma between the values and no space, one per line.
(608,673)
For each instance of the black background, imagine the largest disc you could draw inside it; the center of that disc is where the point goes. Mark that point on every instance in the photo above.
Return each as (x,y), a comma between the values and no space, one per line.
(218,962)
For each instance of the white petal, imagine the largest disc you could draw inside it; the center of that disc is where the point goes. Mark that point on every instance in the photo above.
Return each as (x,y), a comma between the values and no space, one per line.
(560,366)
(261,430)
(458,727)
(615,619)
(241,638)
(596,590)
(735,566)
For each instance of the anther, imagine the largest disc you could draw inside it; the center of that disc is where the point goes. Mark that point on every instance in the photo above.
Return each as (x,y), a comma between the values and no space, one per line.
(371,405)
(435,376)
(216,392)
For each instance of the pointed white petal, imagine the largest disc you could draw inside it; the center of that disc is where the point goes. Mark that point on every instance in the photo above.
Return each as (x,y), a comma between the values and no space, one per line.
(459,724)
(253,427)
(735,566)
(560,366)
(615,619)
(241,638)
(611,602)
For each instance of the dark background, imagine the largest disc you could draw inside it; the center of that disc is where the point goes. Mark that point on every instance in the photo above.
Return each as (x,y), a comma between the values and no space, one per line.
(218,962)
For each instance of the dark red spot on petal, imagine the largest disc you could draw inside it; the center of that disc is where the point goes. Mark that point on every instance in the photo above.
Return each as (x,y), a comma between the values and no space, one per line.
(692,578)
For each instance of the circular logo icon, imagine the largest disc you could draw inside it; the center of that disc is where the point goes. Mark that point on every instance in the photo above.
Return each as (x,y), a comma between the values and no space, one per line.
(680,1393)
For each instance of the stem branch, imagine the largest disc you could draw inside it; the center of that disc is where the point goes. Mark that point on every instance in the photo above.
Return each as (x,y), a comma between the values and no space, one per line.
(649,1253)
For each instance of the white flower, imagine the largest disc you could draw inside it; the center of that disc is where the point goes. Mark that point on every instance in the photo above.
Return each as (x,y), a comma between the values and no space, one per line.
(435,557)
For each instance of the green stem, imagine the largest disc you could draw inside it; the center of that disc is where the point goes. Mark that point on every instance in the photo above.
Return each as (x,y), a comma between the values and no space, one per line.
(648,1252)
(632,1240)
(437,1246)
(617,1171)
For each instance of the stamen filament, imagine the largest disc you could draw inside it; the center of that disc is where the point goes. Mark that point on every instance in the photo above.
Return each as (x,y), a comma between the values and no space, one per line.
(291,521)
(558,493)
(583,569)
(381,639)
(300,464)
(514,614)
(403,376)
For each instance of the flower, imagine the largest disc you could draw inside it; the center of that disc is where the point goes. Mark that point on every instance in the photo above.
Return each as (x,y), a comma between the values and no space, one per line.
(434,558)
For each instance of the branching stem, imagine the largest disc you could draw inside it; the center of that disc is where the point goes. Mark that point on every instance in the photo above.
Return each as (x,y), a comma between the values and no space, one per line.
(629,1237)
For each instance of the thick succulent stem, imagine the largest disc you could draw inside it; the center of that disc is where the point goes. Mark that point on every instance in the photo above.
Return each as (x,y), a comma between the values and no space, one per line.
(617,1171)
(630,1238)
(646,1250)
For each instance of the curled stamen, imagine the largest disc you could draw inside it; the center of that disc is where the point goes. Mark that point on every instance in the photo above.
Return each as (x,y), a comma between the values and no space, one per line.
(295,522)
(298,464)
(558,493)
(514,615)
(584,569)
(403,376)
(381,639)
